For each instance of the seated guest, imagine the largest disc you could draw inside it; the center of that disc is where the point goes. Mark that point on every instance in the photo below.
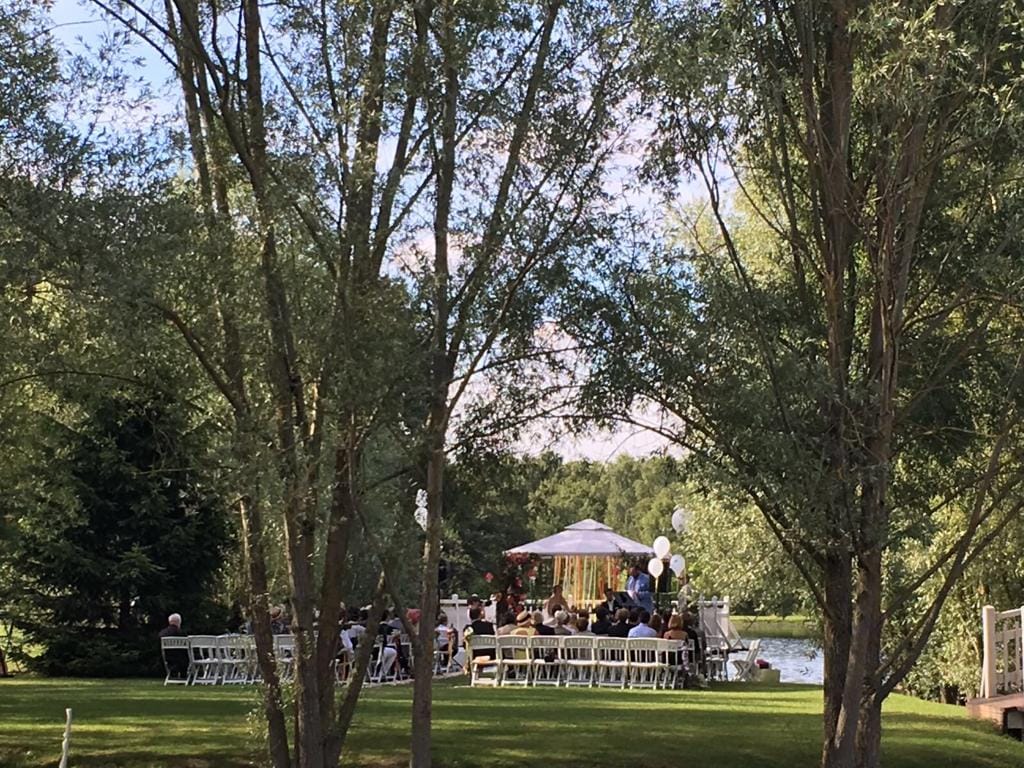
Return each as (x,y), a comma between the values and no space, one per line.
(655,624)
(602,625)
(356,624)
(444,632)
(474,601)
(478,623)
(540,626)
(176,658)
(395,622)
(643,629)
(675,629)
(556,602)
(562,623)
(583,627)
(621,626)
(525,624)
(173,628)
(506,623)
(479,626)
(279,624)
(675,632)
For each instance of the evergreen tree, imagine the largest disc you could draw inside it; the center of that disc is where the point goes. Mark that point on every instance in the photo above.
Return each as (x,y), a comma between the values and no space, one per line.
(122,531)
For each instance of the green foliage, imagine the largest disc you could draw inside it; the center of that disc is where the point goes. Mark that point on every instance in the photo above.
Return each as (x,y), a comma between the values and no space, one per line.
(731,552)
(119,530)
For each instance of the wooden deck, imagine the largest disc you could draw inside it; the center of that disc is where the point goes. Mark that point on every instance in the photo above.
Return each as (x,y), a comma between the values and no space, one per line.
(1004,711)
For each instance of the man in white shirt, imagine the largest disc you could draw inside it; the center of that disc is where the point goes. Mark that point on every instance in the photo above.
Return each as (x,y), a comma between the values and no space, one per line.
(643,629)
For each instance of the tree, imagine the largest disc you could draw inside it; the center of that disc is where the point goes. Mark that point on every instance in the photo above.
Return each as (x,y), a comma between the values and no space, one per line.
(121,531)
(293,272)
(855,369)
(516,219)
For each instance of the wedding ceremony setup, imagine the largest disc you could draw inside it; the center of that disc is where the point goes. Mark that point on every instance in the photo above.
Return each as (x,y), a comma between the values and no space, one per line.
(483,383)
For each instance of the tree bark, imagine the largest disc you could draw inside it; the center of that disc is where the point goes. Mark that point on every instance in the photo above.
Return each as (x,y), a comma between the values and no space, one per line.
(835,648)
(259,611)
(422,708)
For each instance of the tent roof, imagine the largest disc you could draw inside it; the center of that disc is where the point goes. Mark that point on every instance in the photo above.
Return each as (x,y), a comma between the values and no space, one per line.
(587,537)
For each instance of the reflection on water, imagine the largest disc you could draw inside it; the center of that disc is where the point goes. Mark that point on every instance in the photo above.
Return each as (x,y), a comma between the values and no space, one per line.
(798,660)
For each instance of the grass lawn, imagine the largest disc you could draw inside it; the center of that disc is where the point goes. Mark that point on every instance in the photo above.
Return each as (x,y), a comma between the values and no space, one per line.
(137,724)
(773,626)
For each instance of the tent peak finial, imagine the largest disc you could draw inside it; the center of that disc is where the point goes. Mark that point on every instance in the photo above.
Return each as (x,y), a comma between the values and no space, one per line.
(587,525)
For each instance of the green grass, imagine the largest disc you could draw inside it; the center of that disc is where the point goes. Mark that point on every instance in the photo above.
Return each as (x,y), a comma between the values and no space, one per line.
(773,626)
(139,724)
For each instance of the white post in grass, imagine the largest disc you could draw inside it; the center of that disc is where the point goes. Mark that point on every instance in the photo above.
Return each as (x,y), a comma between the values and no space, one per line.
(988,650)
(66,746)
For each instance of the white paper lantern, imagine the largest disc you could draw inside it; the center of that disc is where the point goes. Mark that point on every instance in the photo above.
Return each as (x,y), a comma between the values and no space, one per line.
(677,564)
(421,508)
(662,546)
(655,567)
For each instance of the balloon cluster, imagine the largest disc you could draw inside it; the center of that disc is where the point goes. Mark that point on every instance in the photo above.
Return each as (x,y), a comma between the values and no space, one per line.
(662,546)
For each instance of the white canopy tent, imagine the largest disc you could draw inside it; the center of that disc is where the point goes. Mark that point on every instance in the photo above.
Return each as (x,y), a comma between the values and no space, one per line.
(587,538)
(587,556)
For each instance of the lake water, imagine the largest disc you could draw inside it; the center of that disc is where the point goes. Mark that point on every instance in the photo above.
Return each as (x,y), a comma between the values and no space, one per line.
(798,660)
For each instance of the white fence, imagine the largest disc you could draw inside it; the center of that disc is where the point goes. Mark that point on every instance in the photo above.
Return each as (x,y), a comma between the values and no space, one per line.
(1002,666)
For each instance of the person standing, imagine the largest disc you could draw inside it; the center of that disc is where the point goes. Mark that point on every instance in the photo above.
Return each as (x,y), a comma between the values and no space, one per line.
(639,588)
(556,602)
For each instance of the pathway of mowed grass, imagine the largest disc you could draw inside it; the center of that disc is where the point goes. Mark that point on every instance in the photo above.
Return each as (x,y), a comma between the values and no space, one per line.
(140,724)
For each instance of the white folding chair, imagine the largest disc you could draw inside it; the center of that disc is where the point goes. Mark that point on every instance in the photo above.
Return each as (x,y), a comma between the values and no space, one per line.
(514,660)
(252,662)
(612,662)
(645,666)
(206,659)
(404,652)
(673,656)
(284,656)
(180,656)
(577,659)
(745,666)
(546,666)
(483,669)
(444,655)
(236,662)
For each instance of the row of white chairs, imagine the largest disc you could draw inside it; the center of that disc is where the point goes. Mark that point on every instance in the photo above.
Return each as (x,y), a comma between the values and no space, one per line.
(211,660)
(579,660)
(231,660)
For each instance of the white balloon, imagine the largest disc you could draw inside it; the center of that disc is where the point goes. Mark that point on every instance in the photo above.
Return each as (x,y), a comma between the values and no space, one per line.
(662,546)
(655,567)
(680,519)
(677,564)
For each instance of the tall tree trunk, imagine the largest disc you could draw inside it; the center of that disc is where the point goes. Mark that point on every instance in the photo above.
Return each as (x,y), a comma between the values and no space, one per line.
(838,622)
(422,708)
(441,373)
(259,611)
